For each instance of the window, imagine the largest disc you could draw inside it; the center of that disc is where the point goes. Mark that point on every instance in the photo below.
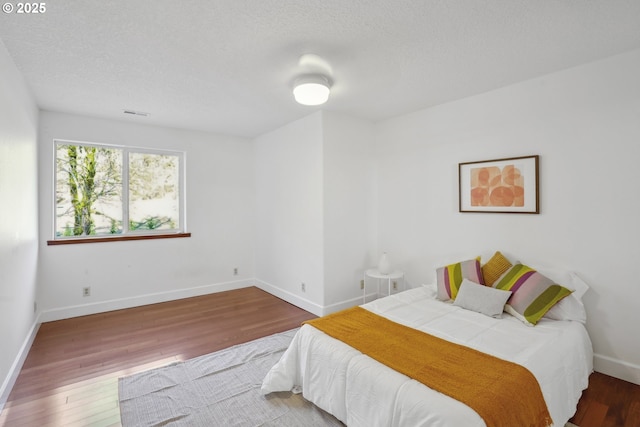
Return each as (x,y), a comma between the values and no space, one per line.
(112,191)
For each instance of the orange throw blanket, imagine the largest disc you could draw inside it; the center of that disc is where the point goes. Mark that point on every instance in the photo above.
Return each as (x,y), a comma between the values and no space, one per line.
(501,392)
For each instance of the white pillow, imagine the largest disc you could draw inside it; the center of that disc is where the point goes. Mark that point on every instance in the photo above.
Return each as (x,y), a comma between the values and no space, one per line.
(571,307)
(481,299)
(568,308)
(431,290)
(568,279)
(580,286)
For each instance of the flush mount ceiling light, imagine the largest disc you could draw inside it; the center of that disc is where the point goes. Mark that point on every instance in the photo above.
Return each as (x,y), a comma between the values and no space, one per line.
(311,89)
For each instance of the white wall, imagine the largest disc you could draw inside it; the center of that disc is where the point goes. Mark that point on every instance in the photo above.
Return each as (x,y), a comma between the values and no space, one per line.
(220,194)
(18,221)
(585,125)
(349,207)
(289,231)
(314,210)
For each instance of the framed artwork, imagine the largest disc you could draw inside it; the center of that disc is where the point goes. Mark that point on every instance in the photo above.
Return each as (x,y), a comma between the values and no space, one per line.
(501,185)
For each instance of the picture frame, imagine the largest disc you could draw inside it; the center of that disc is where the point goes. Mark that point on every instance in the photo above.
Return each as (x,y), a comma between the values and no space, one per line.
(509,185)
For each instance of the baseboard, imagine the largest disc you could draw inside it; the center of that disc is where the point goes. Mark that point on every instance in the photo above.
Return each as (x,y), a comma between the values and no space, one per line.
(12,376)
(617,368)
(303,303)
(342,305)
(121,303)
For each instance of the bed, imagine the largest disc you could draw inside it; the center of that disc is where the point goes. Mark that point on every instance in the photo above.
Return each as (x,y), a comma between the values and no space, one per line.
(360,391)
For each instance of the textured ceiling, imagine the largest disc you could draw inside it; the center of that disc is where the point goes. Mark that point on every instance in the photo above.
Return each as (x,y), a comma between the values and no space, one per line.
(227,65)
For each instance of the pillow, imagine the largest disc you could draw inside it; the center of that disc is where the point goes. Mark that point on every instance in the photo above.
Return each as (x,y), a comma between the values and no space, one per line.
(449,278)
(571,307)
(579,286)
(563,275)
(481,299)
(533,294)
(494,268)
(430,290)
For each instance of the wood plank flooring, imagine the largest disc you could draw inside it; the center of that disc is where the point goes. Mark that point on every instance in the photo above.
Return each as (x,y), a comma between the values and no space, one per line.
(608,402)
(70,377)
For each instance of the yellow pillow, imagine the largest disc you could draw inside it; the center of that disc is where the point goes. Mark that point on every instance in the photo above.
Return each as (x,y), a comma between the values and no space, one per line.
(494,268)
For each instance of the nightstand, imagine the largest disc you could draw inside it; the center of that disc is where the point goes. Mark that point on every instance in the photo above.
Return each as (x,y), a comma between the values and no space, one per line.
(391,278)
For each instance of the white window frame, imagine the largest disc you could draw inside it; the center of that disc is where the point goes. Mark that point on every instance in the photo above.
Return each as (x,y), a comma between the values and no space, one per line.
(180,231)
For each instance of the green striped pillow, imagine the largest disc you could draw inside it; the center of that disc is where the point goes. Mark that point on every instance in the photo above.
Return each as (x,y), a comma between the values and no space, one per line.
(449,278)
(532,293)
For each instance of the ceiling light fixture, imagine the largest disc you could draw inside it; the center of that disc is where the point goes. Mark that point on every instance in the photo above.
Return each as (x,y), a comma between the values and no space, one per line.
(311,89)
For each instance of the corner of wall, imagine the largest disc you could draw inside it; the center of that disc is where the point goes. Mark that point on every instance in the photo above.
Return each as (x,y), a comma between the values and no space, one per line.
(291,298)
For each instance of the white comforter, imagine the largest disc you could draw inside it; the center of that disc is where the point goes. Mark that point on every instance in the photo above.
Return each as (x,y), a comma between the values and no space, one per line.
(362,392)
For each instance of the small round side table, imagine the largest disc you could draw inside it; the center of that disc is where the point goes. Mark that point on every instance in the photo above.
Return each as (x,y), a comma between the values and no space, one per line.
(373,273)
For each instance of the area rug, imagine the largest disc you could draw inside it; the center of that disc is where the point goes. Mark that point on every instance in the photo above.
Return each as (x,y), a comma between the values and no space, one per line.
(218,389)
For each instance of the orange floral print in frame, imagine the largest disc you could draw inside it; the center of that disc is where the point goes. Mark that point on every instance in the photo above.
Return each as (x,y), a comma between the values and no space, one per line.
(503,185)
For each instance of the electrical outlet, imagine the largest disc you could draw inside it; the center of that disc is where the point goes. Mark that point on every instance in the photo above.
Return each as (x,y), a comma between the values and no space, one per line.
(395,285)
(235,271)
(35,306)
(86,292)
(303,288)
(361,284)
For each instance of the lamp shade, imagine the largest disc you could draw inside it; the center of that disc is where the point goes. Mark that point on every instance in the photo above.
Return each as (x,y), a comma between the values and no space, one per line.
(311,89)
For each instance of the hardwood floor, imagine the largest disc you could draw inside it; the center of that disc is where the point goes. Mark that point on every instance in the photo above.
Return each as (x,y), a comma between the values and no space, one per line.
(608,402)
(70,377)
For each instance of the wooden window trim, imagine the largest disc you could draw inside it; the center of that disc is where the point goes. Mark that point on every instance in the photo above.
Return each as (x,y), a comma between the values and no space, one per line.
(73,241)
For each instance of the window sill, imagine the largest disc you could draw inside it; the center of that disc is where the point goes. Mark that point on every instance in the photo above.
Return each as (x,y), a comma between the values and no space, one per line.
(72,241)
